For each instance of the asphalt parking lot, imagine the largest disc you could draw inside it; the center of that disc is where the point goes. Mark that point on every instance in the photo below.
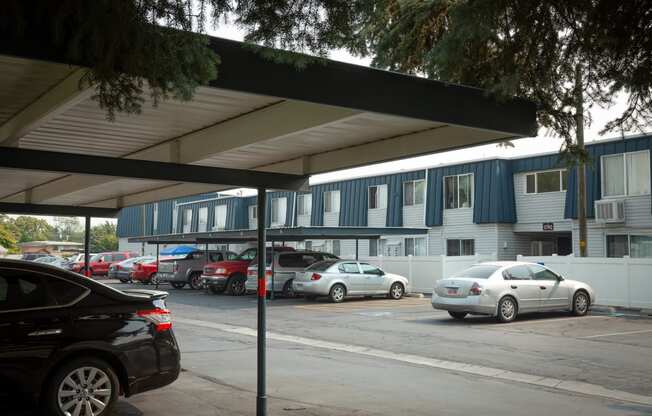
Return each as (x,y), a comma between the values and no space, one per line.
(385,357)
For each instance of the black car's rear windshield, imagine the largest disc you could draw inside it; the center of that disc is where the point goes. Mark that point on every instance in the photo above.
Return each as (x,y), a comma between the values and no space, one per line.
(321,266)
(482,271)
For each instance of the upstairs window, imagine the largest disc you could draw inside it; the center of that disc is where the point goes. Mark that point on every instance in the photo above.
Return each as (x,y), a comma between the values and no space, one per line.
(378,197)
(220,217)
(175,218)
(155,219)
(331,201)
(253,212)
(458,191)
(414,192)
(304,204)
(202,224)
(626,174)
(187,220)
(548,181)
(279,211)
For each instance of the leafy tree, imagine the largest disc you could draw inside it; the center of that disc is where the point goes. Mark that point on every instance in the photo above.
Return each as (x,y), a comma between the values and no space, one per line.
(7,238)
(104,238)
(68,229)
(31,229)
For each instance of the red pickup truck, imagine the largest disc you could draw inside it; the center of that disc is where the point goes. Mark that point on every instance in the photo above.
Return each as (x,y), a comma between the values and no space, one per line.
(100,263)
(231,275)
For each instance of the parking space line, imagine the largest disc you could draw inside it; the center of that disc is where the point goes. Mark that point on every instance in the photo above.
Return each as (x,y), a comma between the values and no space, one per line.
(545,321)
(613,334)
(460,367)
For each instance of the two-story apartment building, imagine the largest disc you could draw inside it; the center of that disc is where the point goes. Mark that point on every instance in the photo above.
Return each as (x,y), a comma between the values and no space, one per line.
(515,206)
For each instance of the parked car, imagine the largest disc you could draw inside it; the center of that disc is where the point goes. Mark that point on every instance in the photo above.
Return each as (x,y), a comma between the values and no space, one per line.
(33,256)
(506,289)
(340,278)
(100,263)
(74,345)
(187,269)
(122,270)
(70,261)
(231,275)
(287,265)
(52,261)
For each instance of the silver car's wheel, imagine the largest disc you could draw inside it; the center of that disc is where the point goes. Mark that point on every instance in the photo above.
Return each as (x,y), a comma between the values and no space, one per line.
(580,304)
(507,309)
(337,293)
(83,387)
(396,291)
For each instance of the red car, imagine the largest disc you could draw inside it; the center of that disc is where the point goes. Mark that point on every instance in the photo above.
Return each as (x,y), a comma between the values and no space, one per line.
(231,275)
(100,263)
(144,272)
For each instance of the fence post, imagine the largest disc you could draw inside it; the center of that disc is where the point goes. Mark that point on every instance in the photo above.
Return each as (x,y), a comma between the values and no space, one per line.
(410,281)
(629,280)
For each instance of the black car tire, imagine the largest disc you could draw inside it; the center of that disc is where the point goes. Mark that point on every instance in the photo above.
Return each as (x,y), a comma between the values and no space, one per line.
(178,285)
(457,315)
(396,291)
(194,280)
(580,303)
(216,290)
(503,314)
(236,285)
(51,389)
(337,293)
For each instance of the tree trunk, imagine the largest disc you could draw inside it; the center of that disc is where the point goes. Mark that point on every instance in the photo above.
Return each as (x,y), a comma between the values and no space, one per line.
(581,166)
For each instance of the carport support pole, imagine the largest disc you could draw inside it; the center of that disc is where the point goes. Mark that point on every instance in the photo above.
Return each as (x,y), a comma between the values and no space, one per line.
(261,398)
(157,263)
(356,248)
(87,246)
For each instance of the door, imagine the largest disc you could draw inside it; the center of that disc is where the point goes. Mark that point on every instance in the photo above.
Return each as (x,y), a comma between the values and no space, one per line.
(32,327)
(350,273)
(554,293)
(564,246)
(519,279)
(374,278)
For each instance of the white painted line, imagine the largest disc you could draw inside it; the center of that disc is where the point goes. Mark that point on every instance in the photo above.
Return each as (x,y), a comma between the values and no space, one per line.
(545,321)
(613,334)
(497,373)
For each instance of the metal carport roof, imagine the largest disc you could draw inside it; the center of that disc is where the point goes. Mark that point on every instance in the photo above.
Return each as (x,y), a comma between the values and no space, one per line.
(258,115)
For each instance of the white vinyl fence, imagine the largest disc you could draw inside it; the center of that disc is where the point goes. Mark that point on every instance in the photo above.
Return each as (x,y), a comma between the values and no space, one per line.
(625,282)
(422,272)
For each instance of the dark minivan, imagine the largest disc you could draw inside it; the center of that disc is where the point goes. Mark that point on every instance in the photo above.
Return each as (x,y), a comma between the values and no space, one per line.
(73,345)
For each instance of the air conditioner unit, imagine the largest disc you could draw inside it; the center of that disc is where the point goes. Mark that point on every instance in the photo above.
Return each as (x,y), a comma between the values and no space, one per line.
(610,210)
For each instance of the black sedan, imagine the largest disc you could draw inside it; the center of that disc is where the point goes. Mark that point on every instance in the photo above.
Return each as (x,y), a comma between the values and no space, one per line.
(73,345)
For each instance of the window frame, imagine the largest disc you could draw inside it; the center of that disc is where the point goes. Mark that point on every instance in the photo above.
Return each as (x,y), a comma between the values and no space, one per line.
(328,196)
(414,246)
(457,182)
(201,210)
(380,202)
(183,220)
(460,242)
(253,212)
(623,155)
(561,172)
(215,216)
(275,222)
(302,207)
(413,184)
(629,243)
(155,218)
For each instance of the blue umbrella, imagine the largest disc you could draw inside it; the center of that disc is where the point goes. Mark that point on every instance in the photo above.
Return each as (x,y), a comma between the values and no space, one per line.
(179,250)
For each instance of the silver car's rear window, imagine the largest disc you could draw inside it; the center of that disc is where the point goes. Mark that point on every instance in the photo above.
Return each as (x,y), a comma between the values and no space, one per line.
(482,271)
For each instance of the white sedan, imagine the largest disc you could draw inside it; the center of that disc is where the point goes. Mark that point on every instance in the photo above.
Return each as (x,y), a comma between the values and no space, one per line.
(505,289)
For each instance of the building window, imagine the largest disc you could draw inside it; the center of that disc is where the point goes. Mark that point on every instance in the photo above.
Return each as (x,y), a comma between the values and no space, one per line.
(626,174)
(308,245)
(331,201)
(460,247)
(336,247)
(253,212)
(304,204)
(219,222)
(155,219)
(548,181)
(373,248)
(458,191)
(202,223)
(187,220)
(279,211)
(414,192)
(378,197)
(415,246)
(638,246)
(175,218)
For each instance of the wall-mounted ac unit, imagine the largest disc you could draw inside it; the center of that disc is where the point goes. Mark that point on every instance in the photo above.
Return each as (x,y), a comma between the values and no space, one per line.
(610,210)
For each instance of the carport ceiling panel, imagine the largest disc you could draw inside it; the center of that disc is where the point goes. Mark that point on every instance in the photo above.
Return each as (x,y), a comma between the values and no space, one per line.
(85,128)
(111,189)
(22,81)
(363,128)
(16,180)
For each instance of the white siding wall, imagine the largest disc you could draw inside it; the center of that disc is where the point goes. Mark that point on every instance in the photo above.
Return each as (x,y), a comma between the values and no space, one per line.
(532,210)
(413,216)
(331,219)
(377,217)
(303,220)
(458,223)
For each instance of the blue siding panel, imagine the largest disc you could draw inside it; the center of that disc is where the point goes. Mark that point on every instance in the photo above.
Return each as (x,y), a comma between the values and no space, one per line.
(130,222)
(493,192)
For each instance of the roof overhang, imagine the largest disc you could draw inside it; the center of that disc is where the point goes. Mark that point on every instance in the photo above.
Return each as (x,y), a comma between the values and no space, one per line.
(280,234)
(259,117)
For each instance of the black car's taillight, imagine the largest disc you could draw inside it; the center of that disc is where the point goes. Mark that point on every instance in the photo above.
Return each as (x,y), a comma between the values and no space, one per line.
(161,318)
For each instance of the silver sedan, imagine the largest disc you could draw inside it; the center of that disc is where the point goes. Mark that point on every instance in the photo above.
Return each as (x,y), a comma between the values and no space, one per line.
(340,278)
(505,289)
